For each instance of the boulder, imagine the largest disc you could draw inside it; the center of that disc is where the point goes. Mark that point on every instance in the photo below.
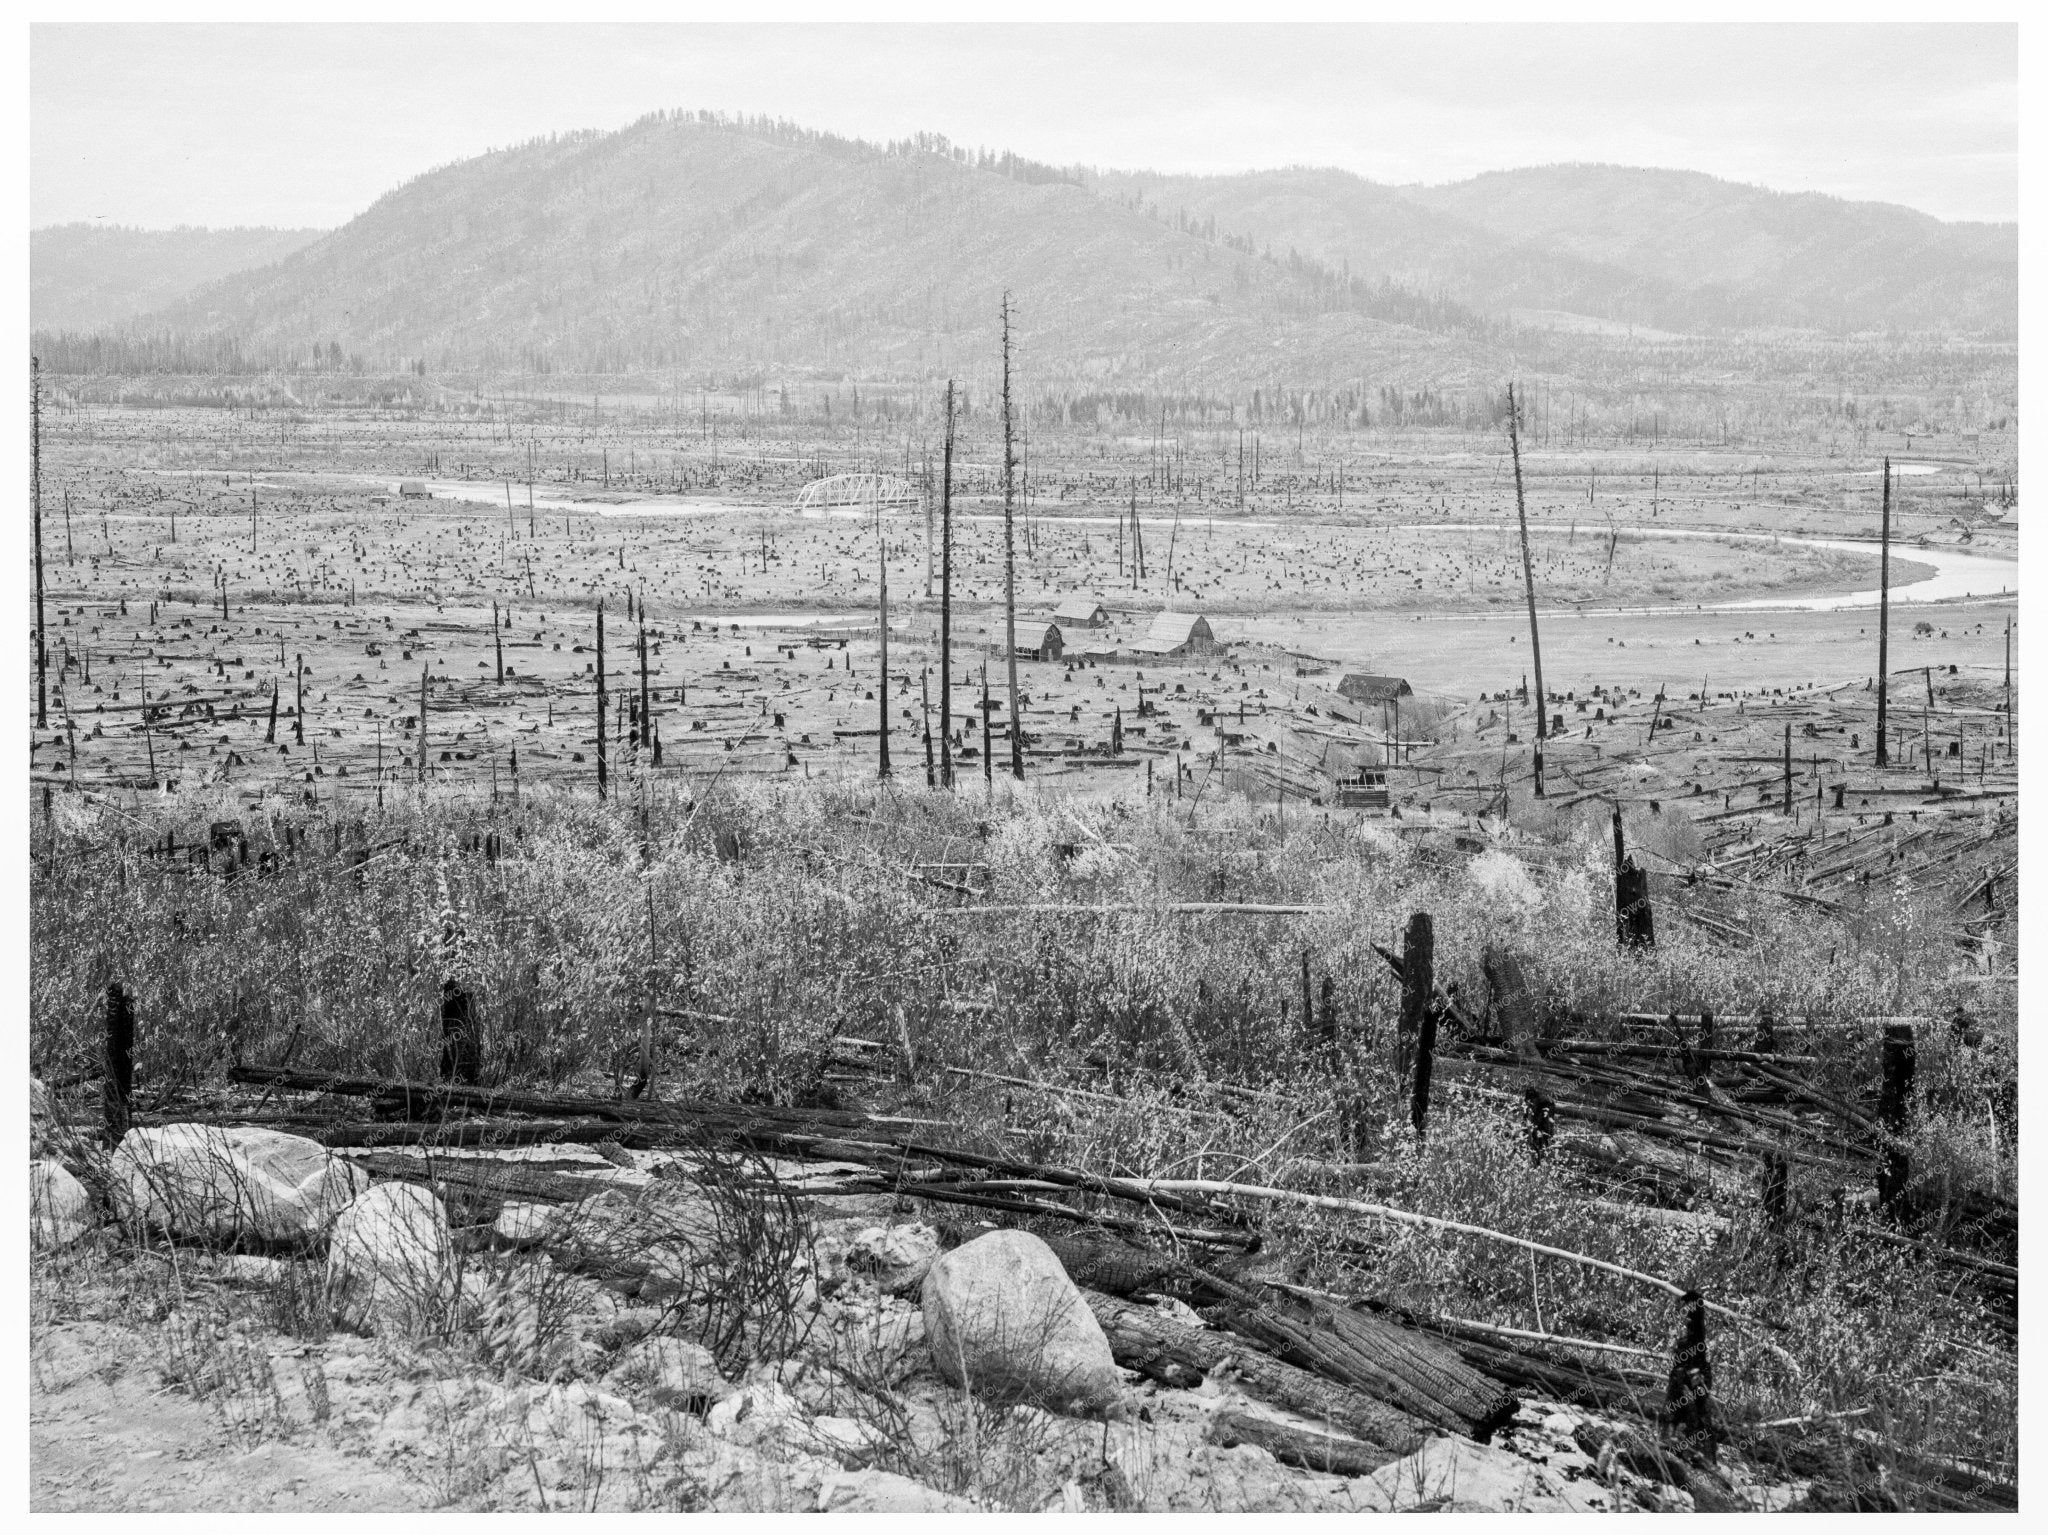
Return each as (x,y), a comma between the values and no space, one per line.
(59,1209)
(897,1258)
(1454,1475)
(523,1225)
(1005,1322)
(220,1183)
(252,1270)
(673,1372)
(884,1492)
(390,1264)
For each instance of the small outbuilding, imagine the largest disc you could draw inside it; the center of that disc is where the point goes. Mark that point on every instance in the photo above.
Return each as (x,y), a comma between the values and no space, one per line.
(1178,634)
(1363,688)
(1038,640)
(1081,613)
(411,488)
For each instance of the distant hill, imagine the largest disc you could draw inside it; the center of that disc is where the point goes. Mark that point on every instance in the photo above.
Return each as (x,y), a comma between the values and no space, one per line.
(1745,256)
(1670,249)
(85,276)
(701,244)
(750,249)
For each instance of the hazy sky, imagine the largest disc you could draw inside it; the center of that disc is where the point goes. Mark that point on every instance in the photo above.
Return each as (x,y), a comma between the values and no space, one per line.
(306,125)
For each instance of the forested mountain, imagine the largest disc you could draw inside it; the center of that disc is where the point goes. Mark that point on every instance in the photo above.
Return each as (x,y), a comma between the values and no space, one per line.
(1675,250)
(697,244)
(687,243)
(1744,256)
(84,276)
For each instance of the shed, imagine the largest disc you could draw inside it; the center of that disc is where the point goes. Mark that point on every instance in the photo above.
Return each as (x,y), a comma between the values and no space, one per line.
(1081,613)
(1038,640)
(412,488)
(1178,634)
(1363,688)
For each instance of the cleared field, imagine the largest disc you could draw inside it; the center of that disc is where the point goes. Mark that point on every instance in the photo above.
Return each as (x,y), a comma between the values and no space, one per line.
(184,599)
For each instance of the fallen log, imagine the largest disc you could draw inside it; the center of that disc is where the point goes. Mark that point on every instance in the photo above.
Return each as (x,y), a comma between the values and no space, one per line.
(1412,1218)
(1174,1353)
(1379,1357)
(1327,1453)
(1173,909)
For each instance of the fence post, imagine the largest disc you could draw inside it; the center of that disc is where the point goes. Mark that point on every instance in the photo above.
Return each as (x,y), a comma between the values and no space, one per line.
(1416,1042)
(1894,1102)
(1689,1391)
(1634,927)
(1542,1123)
(119,1090)
(1777,1186)
(1418,964)
(461,1049)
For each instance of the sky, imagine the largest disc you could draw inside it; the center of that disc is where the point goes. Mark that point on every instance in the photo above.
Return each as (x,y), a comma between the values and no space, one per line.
(305,126)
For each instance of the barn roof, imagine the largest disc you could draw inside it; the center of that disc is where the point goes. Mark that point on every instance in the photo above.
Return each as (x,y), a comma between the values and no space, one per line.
(1173,628)
(1365,688)
(1077,610)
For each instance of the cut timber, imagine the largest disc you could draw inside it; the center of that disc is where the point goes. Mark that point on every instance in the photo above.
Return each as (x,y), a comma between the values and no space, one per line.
(1298,1446)
(1379,1357)
(1168,1351)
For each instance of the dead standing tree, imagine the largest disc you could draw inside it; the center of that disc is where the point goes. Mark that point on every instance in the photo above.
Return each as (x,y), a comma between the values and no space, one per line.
(1529,583)
(603,777)
(1010,553)
(35,454)
(946,602)
(1884,607)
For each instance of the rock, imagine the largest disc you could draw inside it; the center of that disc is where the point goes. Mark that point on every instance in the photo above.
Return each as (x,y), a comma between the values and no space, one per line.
(897,1258)
(762,1409)
(884,1492)
(59,1208)
(249,1269)
(209,1181)
(389,1260)
(1455,1475)
(520,1225)
(1005,1322)
(673,1372)
(848,1439)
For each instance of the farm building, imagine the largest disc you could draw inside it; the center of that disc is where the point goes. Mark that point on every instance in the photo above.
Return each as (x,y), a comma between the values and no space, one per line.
(411,488)
(1038,640)
(1363,688)
(1178,634)
(1081,613)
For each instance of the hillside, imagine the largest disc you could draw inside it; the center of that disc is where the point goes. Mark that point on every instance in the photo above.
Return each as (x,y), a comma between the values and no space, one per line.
(85,276)
(1379,232)
(1670,249)
(745,249)
(1743,255)
(687,243)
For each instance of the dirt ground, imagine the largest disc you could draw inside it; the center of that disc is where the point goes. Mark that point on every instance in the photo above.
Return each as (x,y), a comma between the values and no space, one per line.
(106,1436)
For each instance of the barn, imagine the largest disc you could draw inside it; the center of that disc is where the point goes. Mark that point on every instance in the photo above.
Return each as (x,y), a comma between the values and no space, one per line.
(1081,613)
(411,488)
(1038,640)
(1178,634)
(1364,688)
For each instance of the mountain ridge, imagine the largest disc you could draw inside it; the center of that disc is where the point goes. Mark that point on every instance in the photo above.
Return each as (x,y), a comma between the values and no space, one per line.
(694,240)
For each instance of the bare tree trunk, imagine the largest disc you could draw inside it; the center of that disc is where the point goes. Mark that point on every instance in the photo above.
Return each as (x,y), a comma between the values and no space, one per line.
(1884,609)
(603,773)
(946,602)
(1010,553)
(882,693)
(35,454)
(1529,583)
